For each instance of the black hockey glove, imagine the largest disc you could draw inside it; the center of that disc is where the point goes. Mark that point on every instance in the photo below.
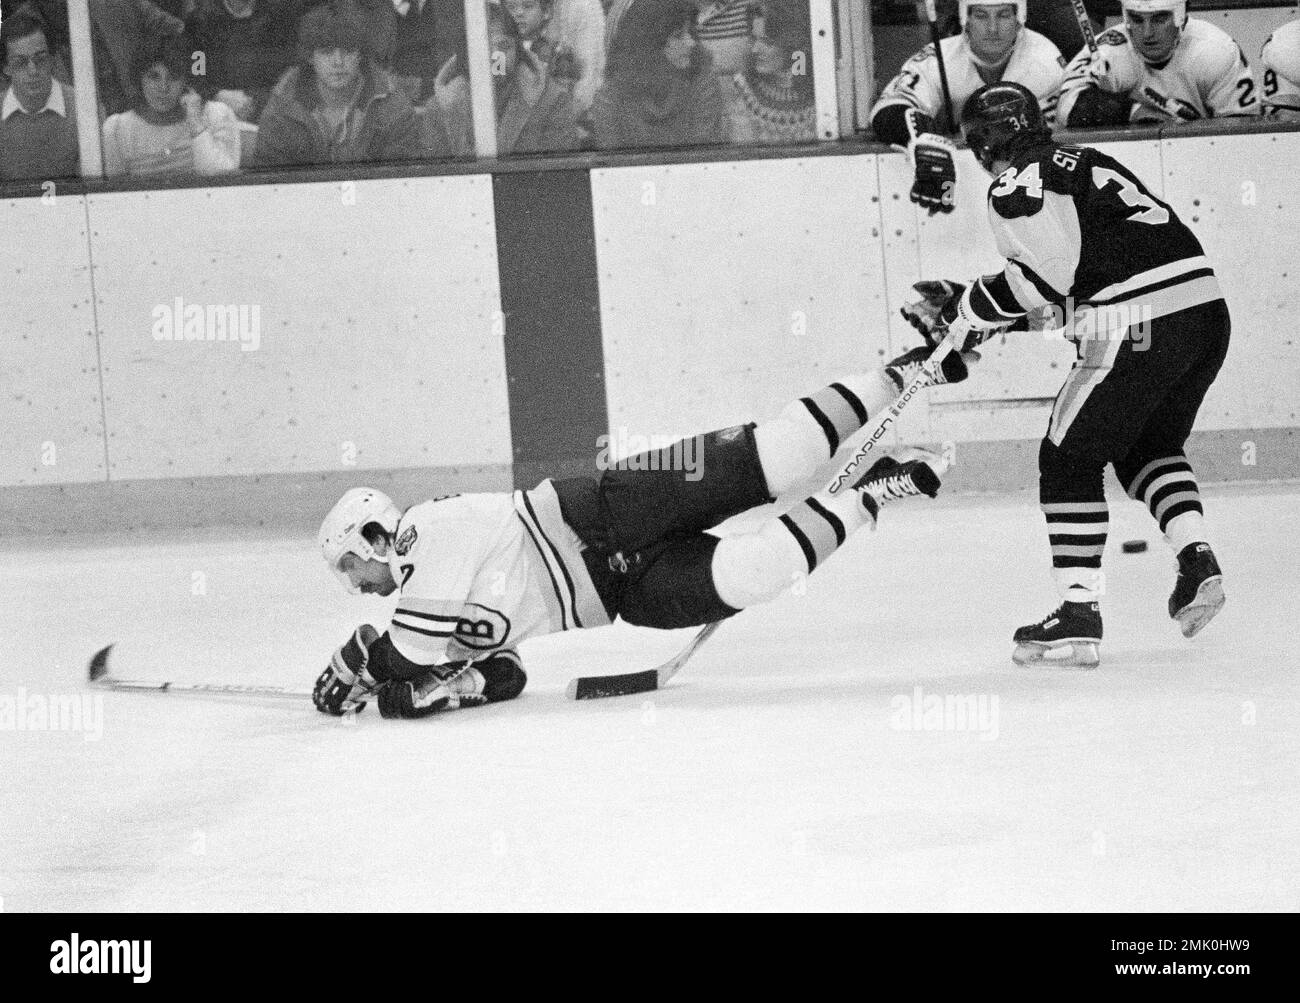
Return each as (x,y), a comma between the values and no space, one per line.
(935,184)
(500,676)
(923,314)
(346,681)
(1096,107)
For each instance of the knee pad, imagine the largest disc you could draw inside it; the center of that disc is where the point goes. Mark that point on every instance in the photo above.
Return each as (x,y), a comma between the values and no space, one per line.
(750,568)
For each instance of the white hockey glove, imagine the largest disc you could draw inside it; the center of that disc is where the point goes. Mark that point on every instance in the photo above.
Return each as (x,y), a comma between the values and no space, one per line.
(934,187)
(346,681)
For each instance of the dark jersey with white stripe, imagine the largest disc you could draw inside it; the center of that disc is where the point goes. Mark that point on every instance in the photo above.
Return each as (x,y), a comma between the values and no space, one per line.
(1080,230)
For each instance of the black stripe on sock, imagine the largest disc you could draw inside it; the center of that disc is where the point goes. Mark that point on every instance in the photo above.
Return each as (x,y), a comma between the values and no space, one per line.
(837,527)
(1176,467)
(1179,508)
(828,426)
(851,398)
(1076,562)
(1074,517)
(1065,540)
(1172,488)
(809,554)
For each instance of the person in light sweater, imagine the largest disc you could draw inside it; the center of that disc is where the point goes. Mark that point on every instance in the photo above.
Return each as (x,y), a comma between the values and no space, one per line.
(171,131)
(771,101)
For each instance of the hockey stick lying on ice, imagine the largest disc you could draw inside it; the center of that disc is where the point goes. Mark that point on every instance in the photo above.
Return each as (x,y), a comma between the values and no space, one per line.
(863,444)
(627,683)
(99,676)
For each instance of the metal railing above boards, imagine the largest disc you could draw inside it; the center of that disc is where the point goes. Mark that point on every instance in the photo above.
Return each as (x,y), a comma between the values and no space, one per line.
(132,94)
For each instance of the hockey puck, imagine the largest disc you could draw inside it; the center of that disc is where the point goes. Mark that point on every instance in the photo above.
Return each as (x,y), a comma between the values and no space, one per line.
(1134,546)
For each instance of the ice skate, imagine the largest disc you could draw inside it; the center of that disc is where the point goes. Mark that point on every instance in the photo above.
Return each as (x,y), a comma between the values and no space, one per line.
(1198,592)
(1068,637)
(908,473)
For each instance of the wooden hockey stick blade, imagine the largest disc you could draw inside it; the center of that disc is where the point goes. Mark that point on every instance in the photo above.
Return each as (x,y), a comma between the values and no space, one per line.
(628,683)
(99,676)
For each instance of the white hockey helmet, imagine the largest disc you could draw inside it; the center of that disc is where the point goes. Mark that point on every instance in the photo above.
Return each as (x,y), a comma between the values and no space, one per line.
(1022,7)
(1281,53)
(341,532)
(1179,8)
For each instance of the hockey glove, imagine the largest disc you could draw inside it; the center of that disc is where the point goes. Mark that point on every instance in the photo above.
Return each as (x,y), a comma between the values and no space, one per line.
(967,330)
(923,314)
(346,681)
(953,369)
(935,185)
(441,687)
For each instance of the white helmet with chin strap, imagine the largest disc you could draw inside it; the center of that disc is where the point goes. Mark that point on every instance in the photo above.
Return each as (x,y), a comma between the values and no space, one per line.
(963,6)
(341,532)
(1178,7)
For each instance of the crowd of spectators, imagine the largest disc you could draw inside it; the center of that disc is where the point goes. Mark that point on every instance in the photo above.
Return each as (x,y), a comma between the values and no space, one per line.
(207,87)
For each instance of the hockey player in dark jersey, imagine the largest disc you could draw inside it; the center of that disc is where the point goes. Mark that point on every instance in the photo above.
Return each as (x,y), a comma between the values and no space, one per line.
(476,574)
(1131,286)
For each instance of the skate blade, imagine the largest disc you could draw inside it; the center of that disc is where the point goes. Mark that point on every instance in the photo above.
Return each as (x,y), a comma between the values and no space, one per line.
(1203,608)
(1062,655)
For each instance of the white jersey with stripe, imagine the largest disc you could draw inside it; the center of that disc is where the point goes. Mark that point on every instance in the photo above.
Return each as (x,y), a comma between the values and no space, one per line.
(1035,62)
(1207,76)
(1082,233)
(479,573)
(1281,63)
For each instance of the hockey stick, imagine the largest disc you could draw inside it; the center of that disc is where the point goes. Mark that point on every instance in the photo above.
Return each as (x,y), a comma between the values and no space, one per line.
(1085,26)
(626,684)
(99,676)
(868,437)
(932,16)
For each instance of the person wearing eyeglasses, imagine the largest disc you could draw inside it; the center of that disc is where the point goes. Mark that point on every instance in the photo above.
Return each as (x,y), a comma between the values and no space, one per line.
(38,123)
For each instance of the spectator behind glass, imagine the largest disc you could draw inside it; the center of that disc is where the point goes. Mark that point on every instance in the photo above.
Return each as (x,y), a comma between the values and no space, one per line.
(724,28)
(772,101)
(38,123)
(429,32)
(534,112)
(171,130)
(335,105)
(380,21)
(659,87)
(568,35)
(118,29)
(246,45)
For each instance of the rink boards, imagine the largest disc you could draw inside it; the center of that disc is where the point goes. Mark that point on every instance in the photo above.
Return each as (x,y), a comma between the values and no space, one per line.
(240,354)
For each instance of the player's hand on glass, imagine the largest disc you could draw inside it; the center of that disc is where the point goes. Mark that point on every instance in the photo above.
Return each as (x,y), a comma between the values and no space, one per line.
(346,681)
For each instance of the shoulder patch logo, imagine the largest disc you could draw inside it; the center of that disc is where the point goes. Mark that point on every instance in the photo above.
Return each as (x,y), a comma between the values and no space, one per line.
(1112,36)
(406,541)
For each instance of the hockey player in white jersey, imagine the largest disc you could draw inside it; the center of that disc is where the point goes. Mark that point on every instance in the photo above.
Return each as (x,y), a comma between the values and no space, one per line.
(477,574)
(1281,59)
(1159,66)
(911,113)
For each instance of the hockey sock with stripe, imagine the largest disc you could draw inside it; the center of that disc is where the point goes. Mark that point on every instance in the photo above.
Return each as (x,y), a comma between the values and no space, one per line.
(1167,487)
(755,567)
(809,430)
(1076,531)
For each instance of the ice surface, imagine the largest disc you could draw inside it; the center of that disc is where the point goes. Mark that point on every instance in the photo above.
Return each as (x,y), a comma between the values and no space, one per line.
(774,773)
